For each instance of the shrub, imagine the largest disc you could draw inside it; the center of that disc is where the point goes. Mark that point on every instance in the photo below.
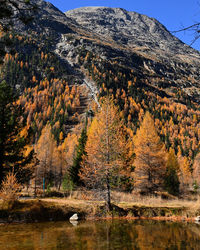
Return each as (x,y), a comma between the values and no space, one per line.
(10,188)
(67,184)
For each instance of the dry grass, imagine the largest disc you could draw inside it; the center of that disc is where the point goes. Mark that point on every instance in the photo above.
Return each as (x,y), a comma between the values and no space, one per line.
(67,201)
(132,204)
(90,208)
(84,199)
(128,200)
(90,201)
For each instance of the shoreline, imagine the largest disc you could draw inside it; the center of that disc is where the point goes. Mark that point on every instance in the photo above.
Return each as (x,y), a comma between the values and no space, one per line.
(162,219)
(44,210)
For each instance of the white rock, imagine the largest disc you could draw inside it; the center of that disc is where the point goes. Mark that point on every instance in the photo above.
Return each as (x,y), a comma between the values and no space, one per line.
(74,217)
(197,218)
(74,223)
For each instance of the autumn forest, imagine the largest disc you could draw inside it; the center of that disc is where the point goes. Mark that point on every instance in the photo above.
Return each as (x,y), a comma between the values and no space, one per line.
(55,137)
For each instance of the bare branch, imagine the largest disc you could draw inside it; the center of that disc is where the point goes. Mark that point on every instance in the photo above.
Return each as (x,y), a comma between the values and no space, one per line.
(195,39)
(196,26)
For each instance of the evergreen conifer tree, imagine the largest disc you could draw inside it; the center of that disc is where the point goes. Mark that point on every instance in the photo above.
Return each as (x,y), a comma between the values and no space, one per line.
(80,151)
(12,144)
(171,182)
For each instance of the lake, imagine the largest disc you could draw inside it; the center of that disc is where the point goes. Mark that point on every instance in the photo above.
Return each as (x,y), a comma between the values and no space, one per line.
(116,234)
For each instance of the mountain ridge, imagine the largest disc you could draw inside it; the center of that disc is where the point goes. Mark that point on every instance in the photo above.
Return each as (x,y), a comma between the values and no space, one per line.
(133,40)
(118,20)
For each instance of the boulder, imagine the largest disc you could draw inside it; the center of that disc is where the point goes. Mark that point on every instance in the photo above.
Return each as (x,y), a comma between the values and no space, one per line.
(197,218)
(74,217)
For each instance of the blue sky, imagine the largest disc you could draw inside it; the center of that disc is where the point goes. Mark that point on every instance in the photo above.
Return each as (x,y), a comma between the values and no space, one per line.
(174,14)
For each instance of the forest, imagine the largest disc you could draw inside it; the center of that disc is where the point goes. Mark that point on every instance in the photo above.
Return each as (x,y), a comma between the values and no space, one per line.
(54,138)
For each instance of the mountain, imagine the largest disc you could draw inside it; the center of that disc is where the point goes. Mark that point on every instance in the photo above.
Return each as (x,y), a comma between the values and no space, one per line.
(141,43)
(64,61)
(45,17)
(134,40)
(132,30)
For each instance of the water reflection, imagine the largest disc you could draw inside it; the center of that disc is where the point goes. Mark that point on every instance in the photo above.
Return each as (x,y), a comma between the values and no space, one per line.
(106,235)
(74,222)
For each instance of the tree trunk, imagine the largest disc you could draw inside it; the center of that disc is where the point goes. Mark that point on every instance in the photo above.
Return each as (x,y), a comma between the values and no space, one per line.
(60,181)
(108,201)
(35,188)
(60,175)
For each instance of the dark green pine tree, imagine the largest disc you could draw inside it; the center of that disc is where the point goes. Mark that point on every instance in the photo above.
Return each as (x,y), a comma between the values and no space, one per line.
(80,151)
(171,182)
(12,146)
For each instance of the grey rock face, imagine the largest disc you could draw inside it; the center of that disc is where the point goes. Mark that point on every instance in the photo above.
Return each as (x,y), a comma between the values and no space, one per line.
(135,41)
(131,29)
(141,43)
(46,18)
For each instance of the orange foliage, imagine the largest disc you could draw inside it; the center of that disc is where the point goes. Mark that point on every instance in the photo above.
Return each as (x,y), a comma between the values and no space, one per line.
(150,160)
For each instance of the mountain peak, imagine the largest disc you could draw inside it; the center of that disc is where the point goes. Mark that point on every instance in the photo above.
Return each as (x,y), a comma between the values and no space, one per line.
(130,29)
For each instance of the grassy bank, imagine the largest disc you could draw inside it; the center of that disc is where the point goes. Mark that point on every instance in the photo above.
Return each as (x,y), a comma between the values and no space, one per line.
(55,209)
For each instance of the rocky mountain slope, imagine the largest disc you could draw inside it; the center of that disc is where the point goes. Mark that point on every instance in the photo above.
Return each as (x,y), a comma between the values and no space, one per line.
(130,39)
(141,43)
(131,29)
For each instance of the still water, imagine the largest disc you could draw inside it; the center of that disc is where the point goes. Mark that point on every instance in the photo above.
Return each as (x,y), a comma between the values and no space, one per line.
(117,234)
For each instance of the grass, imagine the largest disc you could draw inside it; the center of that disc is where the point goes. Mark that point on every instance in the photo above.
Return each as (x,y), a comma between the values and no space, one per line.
(124,204)
(84,199)
(125,200)
(129,201)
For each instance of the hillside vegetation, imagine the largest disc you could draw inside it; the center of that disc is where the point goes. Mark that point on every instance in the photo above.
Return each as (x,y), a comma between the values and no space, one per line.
(102,113)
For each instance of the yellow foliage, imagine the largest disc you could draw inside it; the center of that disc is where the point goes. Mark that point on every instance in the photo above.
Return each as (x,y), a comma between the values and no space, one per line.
(150,160)
(106,146)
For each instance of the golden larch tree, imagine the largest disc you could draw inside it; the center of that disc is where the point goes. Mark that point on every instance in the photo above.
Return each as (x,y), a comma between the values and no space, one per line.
(150,162)
(185,174)
(196,170)
(105,150)
(65,156)
(46,150)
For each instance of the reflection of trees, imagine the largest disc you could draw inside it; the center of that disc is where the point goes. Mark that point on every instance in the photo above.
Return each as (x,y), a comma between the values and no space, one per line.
(122,231)
(106,235)
(166,235)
